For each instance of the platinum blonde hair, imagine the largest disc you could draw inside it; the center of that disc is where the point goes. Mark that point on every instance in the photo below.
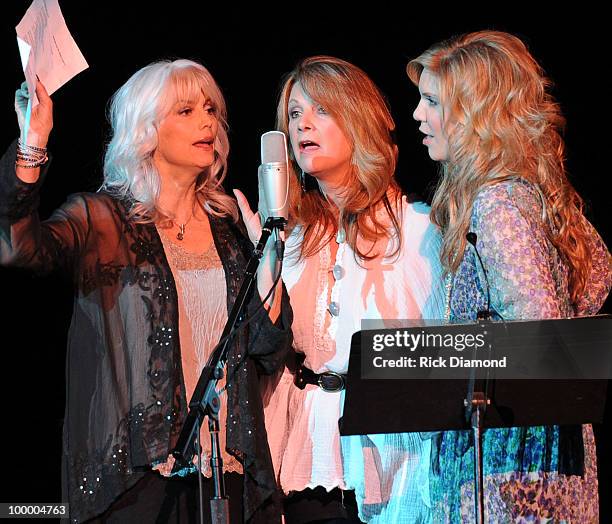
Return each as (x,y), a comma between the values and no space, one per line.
(135,112)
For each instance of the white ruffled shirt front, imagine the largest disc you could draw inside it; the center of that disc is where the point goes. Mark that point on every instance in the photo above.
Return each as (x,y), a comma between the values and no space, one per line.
(387,472)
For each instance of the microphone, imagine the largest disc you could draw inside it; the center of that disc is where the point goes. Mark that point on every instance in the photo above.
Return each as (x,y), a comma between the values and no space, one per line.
(274,175)
(482,314)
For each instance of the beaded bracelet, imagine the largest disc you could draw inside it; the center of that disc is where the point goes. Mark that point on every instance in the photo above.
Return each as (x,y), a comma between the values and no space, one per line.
(30,157)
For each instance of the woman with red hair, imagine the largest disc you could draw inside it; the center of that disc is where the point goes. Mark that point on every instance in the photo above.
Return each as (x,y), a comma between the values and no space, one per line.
(357,249)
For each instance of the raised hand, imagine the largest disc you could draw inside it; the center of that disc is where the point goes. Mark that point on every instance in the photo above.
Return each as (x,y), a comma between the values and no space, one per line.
(251,220)
(41,119)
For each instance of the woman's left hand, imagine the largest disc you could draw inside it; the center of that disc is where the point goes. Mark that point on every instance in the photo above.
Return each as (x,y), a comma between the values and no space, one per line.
(251,220)
(268,261)
(41,118)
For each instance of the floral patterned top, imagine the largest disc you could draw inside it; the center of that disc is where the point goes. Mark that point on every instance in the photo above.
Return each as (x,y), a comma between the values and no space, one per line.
(526,469)
(528,278)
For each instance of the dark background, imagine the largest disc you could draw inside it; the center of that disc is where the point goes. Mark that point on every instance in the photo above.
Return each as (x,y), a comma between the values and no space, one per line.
(248,53)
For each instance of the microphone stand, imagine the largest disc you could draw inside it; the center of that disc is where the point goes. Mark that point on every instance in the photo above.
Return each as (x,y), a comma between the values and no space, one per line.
(476,403)
(477,400)
(205,401)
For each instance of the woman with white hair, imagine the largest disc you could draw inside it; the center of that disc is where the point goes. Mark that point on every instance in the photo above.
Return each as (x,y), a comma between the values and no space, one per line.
(156,256)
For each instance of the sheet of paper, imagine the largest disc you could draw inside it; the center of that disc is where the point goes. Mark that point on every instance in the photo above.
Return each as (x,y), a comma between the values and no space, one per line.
(47,48)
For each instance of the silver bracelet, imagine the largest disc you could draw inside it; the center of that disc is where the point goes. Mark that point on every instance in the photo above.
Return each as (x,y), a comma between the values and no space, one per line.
(30,157)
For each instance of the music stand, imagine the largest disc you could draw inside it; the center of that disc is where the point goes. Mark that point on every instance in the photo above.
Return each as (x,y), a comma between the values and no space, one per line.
(380,405)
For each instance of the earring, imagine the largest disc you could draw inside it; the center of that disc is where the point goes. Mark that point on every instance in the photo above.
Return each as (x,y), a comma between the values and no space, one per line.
(307,182)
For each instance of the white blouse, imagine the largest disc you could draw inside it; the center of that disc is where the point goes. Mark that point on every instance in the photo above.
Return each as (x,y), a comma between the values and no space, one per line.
(330,298)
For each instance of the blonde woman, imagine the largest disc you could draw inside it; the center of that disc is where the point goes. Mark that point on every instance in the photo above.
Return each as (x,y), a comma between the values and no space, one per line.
(489,120)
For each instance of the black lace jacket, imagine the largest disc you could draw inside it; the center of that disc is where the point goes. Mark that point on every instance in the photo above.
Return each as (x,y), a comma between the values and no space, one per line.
(125,392)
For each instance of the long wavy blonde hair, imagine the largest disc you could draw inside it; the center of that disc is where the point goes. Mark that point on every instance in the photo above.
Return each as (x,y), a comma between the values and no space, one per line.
(360,110)
(134,114)
(501,124)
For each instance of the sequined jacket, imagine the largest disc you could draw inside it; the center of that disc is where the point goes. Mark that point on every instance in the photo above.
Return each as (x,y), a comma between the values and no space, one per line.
(126,397)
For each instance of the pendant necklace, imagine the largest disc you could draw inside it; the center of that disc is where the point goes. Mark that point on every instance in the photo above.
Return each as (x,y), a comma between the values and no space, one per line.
(181,233)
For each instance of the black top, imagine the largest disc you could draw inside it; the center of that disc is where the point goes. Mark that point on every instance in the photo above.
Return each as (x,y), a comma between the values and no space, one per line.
(125,391)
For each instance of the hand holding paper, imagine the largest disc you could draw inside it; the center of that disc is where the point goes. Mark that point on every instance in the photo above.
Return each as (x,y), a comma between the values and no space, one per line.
(47,48)
(48,52)
(40,119)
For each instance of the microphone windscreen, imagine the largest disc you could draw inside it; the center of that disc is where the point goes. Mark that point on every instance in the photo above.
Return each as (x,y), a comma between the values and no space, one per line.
(273,147)
(274,174)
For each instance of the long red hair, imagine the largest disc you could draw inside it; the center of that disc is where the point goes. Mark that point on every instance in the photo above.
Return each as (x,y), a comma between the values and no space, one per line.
(359,108)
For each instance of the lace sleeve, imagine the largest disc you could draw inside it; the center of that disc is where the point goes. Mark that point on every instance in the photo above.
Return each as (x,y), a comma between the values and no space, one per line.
(269,342)
(17,198)
(27,242)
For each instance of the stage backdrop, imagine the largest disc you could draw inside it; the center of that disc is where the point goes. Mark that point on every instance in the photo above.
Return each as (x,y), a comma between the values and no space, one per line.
(248,56)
